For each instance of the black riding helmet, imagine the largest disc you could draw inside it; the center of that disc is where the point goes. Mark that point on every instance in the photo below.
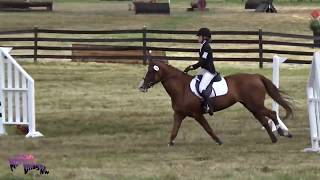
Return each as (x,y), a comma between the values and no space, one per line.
(204,32)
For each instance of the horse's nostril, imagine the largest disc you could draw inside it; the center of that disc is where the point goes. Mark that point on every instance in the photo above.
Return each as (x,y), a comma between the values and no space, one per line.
(143,89)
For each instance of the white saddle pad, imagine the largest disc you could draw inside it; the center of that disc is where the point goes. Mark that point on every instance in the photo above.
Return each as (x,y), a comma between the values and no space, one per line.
(218,88)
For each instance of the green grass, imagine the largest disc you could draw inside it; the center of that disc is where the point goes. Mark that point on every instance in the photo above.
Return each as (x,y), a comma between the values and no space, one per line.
(222,15)
(98,126)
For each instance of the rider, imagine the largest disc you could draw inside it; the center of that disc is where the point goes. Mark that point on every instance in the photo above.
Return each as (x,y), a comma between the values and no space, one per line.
(207,71)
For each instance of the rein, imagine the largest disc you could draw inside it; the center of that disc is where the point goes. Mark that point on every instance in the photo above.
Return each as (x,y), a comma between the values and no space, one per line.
(163,80)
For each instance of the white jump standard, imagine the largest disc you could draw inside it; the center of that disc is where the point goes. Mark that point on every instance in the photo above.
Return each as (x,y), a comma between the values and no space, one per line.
(275,106)
(16,95)
(313,92)
(275,79)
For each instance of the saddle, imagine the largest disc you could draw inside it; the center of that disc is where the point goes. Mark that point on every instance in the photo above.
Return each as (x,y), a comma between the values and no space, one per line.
(216,78)
(218,84)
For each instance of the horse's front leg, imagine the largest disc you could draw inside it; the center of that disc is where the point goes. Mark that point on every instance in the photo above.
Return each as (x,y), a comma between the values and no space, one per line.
(204,123)
(177,120)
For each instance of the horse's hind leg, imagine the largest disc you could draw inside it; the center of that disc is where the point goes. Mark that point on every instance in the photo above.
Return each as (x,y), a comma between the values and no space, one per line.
(204,123)
(264,121)
(273,116)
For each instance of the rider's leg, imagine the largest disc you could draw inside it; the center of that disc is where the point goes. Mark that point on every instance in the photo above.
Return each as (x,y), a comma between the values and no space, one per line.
(206,78)
(206,96)
(206,92)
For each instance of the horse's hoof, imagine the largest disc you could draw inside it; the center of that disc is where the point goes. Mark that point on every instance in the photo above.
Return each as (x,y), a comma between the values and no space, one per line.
(280,132)
(170,144)
(289,135)
(274,141)
(219,142)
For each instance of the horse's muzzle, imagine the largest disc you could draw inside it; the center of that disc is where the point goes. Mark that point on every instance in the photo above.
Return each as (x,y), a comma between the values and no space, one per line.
(142,87)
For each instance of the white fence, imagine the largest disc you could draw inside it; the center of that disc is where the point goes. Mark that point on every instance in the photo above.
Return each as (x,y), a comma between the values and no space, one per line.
(313,92)
(16,95)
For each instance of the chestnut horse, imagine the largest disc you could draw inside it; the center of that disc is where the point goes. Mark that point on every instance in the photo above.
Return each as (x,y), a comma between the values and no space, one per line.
(248,89)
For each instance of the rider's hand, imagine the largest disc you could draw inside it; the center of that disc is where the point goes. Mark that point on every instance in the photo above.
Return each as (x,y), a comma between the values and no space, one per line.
(188,69)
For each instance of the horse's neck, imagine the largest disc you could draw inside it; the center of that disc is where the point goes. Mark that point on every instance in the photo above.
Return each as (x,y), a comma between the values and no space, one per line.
(175,83)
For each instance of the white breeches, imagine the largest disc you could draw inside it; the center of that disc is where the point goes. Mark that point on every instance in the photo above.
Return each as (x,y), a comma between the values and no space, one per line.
(206,78)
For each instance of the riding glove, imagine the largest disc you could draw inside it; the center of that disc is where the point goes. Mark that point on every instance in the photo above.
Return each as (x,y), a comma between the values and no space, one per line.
(188,69)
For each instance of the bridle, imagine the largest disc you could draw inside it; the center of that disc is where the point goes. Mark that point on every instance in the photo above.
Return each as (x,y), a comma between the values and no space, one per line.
(163,80)
(150,84)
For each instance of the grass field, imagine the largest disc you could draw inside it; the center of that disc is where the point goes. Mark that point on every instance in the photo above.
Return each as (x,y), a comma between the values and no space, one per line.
(223,15)
(97,125)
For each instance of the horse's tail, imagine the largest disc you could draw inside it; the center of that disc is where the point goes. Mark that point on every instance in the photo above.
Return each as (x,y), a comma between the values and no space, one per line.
(277,95)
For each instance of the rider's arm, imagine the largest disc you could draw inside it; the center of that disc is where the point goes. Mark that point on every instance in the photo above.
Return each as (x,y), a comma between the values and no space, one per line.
(198,64)
(203,57)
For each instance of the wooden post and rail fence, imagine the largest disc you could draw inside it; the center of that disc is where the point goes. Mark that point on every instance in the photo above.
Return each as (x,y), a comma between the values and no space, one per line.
(252,46)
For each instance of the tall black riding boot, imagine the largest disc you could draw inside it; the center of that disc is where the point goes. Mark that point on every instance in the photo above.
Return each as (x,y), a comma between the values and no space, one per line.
(206,103)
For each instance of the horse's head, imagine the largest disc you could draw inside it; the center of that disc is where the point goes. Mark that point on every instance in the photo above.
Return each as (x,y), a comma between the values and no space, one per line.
(153,76)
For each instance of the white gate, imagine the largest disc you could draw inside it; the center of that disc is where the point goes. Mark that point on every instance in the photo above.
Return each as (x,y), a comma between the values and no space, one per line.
(313,92)
(16,95)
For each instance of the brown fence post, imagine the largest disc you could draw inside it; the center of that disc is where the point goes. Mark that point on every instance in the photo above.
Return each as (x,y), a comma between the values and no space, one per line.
(316,42)
(144,44)
(35,46)
(260,49)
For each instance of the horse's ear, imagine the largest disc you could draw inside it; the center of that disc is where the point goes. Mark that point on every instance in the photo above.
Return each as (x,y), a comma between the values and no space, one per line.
(151,62)
(150,58)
